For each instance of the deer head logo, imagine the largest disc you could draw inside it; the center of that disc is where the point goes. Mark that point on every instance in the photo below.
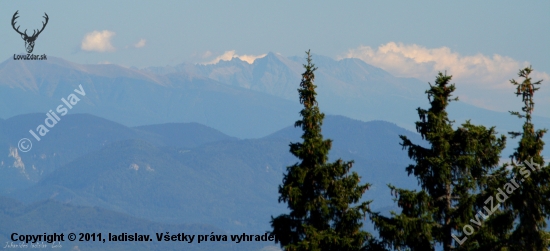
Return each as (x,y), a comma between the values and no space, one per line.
(29,40)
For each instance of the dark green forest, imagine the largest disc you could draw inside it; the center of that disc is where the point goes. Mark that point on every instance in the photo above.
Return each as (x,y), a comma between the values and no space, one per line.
(466,200)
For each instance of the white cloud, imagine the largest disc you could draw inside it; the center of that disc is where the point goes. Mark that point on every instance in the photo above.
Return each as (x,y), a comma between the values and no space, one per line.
(473,74)
(250,58)
(141,43)
(228,55)
(424,63)
(98,41)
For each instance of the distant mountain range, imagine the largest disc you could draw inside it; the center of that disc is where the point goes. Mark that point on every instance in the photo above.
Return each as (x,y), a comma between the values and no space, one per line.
(185,173)
(194,147)
(132,97)
(348,87)
(240,99)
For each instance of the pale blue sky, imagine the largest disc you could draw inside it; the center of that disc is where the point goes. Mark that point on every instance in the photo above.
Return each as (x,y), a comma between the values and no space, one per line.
(172,32)
(175,30)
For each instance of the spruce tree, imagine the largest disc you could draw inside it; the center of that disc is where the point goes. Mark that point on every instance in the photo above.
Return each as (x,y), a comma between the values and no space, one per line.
(530,202)
(323,198)
(450,172)
(492,221)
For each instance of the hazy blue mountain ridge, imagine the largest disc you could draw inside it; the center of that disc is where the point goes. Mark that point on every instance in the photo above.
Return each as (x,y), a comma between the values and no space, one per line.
(237,98)
(76,135)
(220,180)
(133,97)
(355,89)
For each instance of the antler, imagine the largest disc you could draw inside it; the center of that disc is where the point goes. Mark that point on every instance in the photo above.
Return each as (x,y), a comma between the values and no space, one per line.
(29,41)
(43,26)
(13,24)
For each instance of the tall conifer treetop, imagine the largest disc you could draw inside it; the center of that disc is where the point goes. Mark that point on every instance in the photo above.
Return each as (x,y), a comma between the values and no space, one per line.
(449,173)
(319,194)
(530,203)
